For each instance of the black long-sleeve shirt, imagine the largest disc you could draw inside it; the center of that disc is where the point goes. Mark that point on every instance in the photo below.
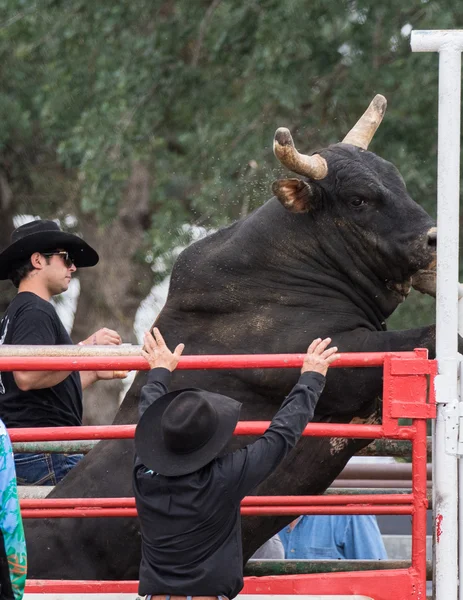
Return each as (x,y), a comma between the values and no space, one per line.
(190,525)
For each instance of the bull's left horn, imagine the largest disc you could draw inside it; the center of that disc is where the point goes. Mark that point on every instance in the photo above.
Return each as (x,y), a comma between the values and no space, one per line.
(314,166)
(363,131)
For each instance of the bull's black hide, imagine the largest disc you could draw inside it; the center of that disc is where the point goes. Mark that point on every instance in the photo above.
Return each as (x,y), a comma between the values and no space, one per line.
(327,256)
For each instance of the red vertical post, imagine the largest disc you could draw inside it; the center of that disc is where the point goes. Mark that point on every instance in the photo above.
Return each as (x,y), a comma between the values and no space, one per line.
(420,503)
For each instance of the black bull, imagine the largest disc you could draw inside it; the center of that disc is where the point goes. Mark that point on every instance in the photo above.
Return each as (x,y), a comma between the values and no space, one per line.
(333,254)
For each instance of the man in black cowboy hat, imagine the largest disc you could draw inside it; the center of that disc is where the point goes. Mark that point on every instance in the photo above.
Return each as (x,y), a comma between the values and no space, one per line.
(188,498)
(40,261)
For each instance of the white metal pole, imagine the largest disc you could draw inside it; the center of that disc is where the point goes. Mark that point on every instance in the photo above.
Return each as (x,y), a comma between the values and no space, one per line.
(448,198)
(449,44)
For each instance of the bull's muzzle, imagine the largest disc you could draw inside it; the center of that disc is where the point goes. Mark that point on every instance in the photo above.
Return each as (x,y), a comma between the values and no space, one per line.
(432,238)
(425,279)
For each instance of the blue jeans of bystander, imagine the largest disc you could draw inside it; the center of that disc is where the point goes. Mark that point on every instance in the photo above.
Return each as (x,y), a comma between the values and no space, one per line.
(45,468)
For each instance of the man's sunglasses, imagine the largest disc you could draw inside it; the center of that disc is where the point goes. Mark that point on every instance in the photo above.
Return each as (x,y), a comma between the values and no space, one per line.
(67,258)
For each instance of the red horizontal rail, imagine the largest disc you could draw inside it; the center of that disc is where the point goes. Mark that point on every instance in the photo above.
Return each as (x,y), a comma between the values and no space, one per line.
(81,587)
(364,583)
(219,361)
(54,513)
(406,509)
(328,500)
(100,432)
(83,503)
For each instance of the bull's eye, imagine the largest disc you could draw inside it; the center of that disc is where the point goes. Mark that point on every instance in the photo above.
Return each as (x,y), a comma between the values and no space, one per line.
(357,202)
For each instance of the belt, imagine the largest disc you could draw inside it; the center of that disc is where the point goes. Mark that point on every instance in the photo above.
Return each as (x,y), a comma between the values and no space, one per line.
(172,597)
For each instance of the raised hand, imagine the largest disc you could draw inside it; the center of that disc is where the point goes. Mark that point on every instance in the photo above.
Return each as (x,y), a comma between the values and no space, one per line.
(158,354)
(319,357)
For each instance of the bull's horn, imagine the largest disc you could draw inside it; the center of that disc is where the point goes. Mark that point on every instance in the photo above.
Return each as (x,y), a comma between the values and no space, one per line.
(363,131)
(314,166)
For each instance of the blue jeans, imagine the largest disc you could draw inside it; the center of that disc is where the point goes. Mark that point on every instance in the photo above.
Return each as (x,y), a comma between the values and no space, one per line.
(44,469)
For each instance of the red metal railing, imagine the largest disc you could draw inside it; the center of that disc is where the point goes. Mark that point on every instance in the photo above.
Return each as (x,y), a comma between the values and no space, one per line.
(408,392)
(254,505)
(97,432)
(217,361)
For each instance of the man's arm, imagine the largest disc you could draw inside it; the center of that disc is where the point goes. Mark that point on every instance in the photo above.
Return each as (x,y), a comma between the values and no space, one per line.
(162,362)
(249,466)
(254,463)
(87,378)
(102,337)
(37,328)
(157,385)
(38,380)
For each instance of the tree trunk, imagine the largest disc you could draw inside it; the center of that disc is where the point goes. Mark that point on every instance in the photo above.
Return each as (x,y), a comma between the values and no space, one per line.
(7,212)
(111,292)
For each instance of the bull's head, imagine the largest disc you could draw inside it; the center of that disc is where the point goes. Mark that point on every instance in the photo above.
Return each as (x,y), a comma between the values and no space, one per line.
(365,198)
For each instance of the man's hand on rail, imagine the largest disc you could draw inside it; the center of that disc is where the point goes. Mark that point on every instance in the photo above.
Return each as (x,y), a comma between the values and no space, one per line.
(103,337)
(319,357)
(158,354)
(88,378)
(111,374)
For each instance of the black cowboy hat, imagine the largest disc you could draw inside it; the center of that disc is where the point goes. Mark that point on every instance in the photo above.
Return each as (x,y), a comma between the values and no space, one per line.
(184,430)
(44,236)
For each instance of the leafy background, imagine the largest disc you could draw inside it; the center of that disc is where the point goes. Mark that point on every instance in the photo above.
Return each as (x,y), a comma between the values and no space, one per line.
(132,122)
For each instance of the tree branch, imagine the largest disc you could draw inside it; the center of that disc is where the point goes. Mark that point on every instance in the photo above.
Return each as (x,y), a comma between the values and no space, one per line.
(202,31)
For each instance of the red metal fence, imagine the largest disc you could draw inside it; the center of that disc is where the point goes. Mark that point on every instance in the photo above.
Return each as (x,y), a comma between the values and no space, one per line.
(408,392)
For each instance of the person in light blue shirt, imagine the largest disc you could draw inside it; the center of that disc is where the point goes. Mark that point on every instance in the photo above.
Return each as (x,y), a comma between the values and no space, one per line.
(333,537)
(272,548)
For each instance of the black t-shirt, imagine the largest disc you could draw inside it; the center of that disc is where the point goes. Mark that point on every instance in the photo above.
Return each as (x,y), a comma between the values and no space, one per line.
(31,320)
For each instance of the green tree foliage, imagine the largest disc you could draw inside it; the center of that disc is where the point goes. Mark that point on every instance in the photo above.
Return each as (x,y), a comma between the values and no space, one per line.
(195,90)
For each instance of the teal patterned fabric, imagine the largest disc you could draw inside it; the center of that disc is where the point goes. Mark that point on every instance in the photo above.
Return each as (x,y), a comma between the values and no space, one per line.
(10,517)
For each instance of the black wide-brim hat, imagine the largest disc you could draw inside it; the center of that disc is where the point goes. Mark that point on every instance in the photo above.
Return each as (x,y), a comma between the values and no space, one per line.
(44,236)
(152,445)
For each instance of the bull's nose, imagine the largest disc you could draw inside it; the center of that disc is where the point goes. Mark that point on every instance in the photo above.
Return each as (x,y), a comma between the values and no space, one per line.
(432,238)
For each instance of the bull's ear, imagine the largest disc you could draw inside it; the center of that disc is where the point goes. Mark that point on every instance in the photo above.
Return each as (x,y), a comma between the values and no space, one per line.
(295,195)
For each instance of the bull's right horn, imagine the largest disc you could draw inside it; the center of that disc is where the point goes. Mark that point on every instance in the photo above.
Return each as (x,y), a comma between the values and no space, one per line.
(314,166)
(363,131)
